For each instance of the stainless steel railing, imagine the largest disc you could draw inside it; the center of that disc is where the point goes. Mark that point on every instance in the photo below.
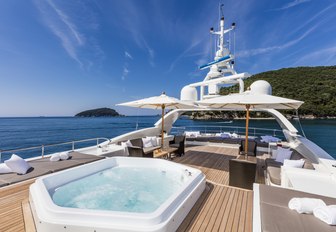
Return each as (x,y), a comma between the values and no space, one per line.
(255,131)
(42,147)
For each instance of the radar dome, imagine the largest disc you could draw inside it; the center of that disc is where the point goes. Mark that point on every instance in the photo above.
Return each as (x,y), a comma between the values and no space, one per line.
(189,93)
(261,87)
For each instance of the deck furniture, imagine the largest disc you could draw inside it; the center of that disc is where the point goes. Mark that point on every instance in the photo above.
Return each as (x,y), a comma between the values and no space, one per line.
(179,143)
(251,150)
(138,150)
(242,171)
(273,168)
(271,212)
(43,166)
(165,153)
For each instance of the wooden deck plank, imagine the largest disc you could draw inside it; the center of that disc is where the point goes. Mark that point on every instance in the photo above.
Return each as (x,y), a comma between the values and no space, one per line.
(204,211)
(227,212)
(237,215)
(191,217)
(28,216)
(214,216)
(248,216)
(205,222)
(223,208)
(241,223)
(232,210)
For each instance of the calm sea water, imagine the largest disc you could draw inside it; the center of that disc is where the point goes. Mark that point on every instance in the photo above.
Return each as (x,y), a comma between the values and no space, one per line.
(28,132)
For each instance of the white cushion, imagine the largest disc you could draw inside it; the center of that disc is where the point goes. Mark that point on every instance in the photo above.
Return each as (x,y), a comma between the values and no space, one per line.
(64,155)
(225,135)
(283,154)
(234,135)
(294,163)
(192,133)
(17,164)
(147,142)
(154,140)
(124,145)
(55,157)
(5,169)
(274,153)
(269,139)
(128,143)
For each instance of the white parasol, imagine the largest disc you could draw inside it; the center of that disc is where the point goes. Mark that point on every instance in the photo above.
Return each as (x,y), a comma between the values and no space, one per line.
(249,100)
(158,102)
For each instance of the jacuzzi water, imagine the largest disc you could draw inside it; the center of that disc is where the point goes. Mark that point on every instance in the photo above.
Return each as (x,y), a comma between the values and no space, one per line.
(116,194)
(126,189)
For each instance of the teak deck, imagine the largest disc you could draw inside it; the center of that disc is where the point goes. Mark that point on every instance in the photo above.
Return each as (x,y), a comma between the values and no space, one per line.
(220,207)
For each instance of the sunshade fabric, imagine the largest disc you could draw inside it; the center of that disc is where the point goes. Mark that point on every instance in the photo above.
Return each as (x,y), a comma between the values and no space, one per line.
(156,102)
(159,102)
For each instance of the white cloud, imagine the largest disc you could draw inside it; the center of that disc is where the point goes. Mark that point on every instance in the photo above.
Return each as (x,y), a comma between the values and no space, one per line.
(70,32)
(257,51)
(292,4)
(133,21)
(325,56)
(128,55)
(125,73)
(316,16)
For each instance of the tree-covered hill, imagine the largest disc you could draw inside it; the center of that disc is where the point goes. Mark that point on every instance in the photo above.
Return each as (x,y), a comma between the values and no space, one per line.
(101,112)
(316,86)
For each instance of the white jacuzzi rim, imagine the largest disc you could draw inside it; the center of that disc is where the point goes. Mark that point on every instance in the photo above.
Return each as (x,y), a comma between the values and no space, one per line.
(155,217)
(40,182)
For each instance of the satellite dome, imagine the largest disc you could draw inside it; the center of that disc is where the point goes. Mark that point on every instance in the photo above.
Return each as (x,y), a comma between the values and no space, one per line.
(189,94)
(261,87)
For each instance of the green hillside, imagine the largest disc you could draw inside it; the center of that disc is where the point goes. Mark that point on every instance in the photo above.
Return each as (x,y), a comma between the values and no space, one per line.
(101,112)
(316,86)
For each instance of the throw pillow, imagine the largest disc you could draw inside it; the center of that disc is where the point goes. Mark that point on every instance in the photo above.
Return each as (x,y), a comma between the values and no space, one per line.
(147,142)
(17,164)
(294,163)
(64,155)
(55,157)
(283,154)
(5,169)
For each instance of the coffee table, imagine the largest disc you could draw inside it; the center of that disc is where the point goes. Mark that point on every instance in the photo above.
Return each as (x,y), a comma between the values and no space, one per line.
(164,153)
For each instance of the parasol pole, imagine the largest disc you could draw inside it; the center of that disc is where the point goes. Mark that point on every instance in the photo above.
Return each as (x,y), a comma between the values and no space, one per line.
(247,125)
(162,125)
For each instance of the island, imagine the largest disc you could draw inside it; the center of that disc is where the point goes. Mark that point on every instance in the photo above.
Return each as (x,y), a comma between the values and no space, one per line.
(100,112)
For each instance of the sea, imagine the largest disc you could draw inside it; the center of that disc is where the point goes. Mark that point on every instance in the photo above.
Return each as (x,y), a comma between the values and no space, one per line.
(23,132)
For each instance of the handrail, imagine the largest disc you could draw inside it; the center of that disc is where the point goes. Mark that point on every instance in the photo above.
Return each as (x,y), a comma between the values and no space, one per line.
(42,147)
(234,127)
(209,129)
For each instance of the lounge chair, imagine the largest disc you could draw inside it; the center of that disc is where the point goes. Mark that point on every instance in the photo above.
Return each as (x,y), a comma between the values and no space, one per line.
(271,212)
(252,147)
(138,150)
(179,143)
(273,168)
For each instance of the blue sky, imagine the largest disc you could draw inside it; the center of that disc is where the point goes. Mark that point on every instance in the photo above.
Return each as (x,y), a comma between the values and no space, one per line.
(60,57)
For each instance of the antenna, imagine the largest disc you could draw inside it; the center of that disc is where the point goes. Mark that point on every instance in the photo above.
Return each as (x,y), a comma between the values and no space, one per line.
(234,47)
(221,9)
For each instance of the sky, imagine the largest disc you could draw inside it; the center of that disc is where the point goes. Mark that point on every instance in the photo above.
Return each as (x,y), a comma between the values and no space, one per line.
(58,58)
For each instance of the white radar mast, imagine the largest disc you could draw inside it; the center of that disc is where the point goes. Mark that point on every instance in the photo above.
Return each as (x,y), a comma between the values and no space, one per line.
(221,69)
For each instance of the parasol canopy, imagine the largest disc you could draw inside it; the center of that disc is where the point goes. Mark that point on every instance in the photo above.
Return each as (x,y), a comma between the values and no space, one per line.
(159,102)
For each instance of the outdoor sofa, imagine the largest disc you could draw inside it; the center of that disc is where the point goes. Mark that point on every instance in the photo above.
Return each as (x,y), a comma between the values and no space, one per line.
(273,168)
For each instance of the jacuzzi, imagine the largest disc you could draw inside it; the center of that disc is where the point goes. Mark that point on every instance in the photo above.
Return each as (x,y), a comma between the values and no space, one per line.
(116,194)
